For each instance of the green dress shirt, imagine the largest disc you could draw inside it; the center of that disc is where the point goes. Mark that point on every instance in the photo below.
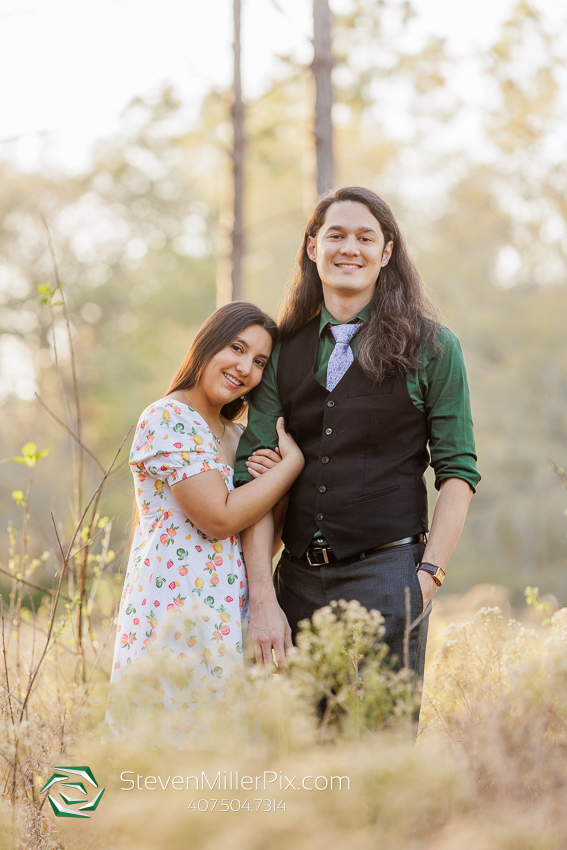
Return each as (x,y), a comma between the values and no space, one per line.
(438,387)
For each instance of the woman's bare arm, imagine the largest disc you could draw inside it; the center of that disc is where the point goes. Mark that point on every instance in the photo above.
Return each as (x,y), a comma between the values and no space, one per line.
(205,500)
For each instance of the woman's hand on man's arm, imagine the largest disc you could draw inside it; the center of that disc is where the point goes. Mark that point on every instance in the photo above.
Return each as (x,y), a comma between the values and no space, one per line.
(204,499)
(262,460)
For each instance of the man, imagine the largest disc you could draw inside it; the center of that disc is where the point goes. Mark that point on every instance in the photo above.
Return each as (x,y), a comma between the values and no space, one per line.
(371,386)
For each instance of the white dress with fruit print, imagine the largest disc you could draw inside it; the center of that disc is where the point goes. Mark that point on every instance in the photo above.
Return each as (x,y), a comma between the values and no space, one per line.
(175,569)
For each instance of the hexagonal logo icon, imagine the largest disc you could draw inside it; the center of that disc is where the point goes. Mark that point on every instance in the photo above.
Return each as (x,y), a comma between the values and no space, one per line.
(69,779)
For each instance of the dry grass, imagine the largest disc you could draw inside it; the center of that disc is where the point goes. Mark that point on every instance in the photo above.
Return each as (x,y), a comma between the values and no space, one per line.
(489,768)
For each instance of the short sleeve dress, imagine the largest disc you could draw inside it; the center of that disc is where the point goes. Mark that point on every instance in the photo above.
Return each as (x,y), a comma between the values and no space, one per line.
(173,568)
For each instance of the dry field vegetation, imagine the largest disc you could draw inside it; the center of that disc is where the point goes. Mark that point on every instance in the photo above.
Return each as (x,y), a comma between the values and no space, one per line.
(488,769)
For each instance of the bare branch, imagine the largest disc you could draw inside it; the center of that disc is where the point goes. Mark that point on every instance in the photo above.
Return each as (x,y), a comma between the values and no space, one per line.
(96,492)
(70,432)
(65,564)
(24,581)
(73,367)
(99,656)
(6,662)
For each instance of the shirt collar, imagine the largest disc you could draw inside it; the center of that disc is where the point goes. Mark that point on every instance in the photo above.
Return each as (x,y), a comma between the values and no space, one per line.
(326,318)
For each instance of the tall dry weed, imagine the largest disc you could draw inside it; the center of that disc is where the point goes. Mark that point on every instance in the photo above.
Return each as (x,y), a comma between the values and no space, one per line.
(497,692)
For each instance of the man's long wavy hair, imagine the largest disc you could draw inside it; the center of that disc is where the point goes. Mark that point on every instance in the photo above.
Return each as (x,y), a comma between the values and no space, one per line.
(402,316)
(218,331)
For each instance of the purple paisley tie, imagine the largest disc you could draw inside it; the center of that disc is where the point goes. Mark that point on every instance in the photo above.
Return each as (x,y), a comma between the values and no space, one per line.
(341,356)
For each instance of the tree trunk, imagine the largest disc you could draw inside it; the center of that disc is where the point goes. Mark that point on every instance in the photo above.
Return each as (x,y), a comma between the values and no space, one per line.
(237,252)
(322,67)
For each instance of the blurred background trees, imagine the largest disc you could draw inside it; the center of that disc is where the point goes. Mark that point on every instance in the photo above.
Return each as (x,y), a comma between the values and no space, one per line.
(139,237)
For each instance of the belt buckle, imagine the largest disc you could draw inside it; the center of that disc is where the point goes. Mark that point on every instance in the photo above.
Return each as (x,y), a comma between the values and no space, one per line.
(317,563)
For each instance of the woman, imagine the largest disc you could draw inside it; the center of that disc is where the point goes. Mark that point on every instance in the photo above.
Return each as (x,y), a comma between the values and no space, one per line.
(185,558)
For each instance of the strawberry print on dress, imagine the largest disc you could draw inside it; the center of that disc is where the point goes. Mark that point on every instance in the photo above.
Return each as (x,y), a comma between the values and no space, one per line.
(173,568)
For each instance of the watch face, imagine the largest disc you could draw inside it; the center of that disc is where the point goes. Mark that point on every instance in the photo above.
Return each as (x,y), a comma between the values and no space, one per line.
(439,575)
(436,573)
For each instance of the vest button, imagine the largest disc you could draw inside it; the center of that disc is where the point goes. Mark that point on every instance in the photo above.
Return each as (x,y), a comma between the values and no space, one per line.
(320,517)
(322,488)
(324,460)
(330,404)
(329,431)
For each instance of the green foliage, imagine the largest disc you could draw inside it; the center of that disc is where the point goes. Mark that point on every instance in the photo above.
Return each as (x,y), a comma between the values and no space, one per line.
(30,456)
(47,293)
(532,598)
(343,671)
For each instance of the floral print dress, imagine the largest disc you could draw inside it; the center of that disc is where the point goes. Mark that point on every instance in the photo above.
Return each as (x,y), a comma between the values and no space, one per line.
(176,574)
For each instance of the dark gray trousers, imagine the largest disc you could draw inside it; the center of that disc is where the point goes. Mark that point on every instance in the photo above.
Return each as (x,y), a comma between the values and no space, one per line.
(377,582)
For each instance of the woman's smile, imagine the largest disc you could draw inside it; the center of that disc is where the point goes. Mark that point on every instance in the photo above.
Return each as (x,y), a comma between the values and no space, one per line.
(235,382)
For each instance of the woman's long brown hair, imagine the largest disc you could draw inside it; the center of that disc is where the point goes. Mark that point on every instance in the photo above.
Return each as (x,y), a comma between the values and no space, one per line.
(402,316)
(216,333)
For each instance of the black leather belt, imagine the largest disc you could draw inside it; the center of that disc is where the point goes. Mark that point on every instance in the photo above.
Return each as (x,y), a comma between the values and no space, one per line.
(321,556)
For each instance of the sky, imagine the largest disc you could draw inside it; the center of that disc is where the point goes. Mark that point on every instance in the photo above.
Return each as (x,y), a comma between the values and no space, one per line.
(70,67)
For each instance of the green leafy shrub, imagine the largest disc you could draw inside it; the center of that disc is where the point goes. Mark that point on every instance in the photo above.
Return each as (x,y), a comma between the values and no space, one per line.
(342,670)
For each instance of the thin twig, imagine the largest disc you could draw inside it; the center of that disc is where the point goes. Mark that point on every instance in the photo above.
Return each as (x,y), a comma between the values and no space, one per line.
(83,577)
(23,565)
(34,620)
(89,542)
(15,760)
(560,472)
(418,620)
(70,432)
(407,628)
(95,494)
(98,574)
(52,618)
(99,656)
(30,583)
(73,369)
(443,724)
(11,693)
(6,662)
(65,564)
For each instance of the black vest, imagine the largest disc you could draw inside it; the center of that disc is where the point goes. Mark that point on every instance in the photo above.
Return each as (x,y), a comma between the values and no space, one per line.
(365,448)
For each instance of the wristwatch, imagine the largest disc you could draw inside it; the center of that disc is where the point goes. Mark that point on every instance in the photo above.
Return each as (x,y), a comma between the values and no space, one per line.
(436,573)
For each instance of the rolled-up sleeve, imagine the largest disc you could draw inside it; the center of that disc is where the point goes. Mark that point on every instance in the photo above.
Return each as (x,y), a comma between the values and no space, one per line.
(446,400)
(264,410)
